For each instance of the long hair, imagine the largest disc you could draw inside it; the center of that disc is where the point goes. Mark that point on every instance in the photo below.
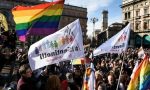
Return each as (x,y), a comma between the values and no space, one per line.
(53,83)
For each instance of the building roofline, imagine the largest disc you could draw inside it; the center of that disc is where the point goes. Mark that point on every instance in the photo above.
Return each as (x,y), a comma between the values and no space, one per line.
(75,6)
(131,3)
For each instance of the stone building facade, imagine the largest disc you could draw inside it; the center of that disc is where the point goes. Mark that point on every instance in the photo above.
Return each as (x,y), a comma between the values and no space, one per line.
(137,12)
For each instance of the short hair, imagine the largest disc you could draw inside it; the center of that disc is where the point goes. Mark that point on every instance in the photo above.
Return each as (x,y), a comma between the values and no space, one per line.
(23,69)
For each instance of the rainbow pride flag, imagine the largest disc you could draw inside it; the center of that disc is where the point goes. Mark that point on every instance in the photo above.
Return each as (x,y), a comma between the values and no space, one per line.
(42,19)
(141,77)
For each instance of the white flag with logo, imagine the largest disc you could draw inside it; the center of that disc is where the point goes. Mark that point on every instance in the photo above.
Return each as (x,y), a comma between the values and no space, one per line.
(117,44)
(65,44)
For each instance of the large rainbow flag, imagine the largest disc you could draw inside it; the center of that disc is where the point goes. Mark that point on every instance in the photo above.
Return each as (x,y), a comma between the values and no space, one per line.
(42,19)
(141,77)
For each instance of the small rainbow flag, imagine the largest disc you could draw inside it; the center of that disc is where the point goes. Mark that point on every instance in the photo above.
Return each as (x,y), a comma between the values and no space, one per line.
(89,78)
(42,19)
(141,77)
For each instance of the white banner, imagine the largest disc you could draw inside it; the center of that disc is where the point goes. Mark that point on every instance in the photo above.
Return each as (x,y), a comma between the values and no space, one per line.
(65,44)
(117,44)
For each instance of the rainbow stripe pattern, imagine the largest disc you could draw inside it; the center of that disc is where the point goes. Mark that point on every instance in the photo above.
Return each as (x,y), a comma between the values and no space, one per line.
(141,77)
(42,19)
(145,75)
(89,78)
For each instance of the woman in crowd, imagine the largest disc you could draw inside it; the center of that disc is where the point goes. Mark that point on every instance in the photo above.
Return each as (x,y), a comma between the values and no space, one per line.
(53,83)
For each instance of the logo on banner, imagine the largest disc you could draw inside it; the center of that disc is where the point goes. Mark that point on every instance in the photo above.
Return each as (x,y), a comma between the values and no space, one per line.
(122,37)
(121,41)
(67,38)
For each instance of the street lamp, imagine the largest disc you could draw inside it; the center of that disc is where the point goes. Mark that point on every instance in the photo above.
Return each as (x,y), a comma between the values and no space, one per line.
(93,20)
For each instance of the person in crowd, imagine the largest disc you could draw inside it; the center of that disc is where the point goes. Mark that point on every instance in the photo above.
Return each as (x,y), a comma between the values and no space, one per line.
(99,80)
(40,77)
(111,85)
(116,68)
(64,82)
(25,82)
(101,86)
(53,83)
(122,83)
(103,67)
(131,66)
(77,76)
(71,84)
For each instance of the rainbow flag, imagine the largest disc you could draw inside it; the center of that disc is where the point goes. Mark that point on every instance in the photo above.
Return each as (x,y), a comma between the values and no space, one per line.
(89,78)
(145,75)
(141,77)
(42,19)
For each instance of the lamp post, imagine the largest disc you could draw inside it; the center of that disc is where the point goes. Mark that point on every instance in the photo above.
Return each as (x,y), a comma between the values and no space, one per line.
(93,20)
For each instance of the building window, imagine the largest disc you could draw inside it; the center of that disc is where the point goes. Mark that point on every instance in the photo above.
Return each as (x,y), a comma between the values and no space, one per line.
(138,25)
(125,16)
(129,15)
(138,13)
(145,10)
(145,25)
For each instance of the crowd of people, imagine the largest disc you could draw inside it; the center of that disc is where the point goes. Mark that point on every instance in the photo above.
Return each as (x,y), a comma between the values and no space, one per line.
(63,75)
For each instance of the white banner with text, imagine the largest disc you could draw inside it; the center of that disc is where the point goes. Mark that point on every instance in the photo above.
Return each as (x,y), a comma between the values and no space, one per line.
(65,44)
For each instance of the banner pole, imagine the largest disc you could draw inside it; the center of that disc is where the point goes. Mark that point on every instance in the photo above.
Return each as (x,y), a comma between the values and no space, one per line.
(120,72)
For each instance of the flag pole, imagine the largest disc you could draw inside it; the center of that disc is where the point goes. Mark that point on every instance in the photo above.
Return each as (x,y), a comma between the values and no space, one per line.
(120,72)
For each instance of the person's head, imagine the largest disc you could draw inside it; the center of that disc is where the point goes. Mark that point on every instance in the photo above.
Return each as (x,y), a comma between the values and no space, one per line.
(77,72)
(53,83)
(98,76)
(115,62)
(100,87)
(122,78)
(103,63)
(69,77)
(25,71)
(111,79)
